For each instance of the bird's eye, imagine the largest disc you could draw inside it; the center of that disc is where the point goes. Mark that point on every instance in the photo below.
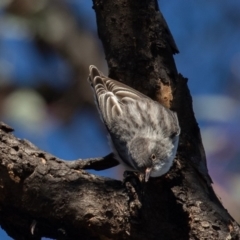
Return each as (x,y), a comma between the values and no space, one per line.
(153,156)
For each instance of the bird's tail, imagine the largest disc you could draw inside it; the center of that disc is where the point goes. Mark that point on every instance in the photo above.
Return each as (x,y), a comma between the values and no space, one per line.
(94,72)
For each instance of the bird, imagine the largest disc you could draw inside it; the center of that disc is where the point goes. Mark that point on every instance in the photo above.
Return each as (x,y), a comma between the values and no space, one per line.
(143,133)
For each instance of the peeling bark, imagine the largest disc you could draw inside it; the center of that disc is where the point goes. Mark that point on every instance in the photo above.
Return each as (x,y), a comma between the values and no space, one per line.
(58,199)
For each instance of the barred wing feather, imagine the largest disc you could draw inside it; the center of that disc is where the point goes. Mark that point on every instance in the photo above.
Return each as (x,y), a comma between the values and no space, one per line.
(111,95)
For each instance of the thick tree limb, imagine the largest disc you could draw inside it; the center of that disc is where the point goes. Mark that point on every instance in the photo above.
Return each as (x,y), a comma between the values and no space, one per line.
(62,201)
(65,203)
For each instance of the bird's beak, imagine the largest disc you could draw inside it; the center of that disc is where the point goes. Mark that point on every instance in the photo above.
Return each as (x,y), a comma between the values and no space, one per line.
(147,174)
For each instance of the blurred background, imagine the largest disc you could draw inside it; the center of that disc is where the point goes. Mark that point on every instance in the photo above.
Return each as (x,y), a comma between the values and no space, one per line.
(47,46)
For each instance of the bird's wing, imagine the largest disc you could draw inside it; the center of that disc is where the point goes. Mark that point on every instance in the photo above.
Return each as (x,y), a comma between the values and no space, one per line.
(111,95)
(173,125)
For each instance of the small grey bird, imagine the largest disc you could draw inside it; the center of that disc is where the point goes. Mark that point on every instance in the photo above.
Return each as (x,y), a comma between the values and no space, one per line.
(143,133)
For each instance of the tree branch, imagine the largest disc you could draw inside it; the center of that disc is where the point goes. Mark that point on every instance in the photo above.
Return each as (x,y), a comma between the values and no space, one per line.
(65,202)
(36,186)
(96,164)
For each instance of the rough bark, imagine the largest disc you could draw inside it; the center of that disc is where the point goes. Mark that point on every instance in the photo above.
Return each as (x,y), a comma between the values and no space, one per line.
(41,195)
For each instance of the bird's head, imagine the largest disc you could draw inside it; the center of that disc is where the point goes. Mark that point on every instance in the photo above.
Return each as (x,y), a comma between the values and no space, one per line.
(152,157)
